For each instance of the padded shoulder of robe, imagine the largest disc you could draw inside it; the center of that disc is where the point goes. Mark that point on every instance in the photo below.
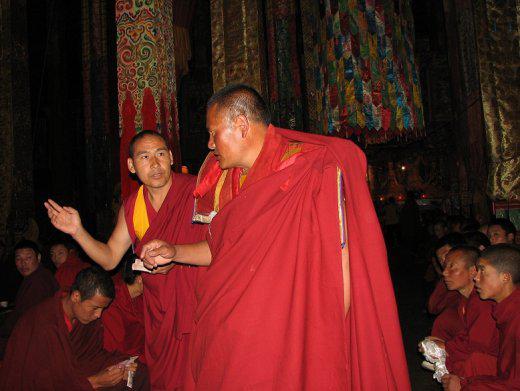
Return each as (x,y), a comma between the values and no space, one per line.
(507,315)
(169,300)
(35,288)
(66,273)
(123,322)
(42,355)
(270,312)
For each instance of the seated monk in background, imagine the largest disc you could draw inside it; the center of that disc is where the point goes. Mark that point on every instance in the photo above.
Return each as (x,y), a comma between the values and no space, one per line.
(38,284)
(68,264)
(58,345)
(443,302)
(123,320)
(497,279)
(473,350)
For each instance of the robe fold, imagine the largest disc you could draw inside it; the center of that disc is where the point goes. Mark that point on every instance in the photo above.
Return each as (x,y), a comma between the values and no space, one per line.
(42,355)
(123,322)
(445,304)
(270,312)
(169,300)
(507,316)
(66,273)
(35,288)
(474,350)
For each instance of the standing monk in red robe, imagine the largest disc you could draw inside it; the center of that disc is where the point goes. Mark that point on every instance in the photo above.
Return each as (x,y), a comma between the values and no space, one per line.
(298,295)
(161,208)
(58,345)
(498,279)
(68,264)
(123,321)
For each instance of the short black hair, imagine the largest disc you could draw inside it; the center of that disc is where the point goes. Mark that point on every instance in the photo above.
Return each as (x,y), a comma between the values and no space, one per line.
(505,224)
(470,253)
(127,273)
(91,281)
(476,239)
(25,243)
(67,243)
(142,135)
(241,99)
(505,258)
(453,239)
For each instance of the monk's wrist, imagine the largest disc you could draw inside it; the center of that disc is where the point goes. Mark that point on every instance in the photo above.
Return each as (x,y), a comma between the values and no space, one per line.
(80,234)
(93,382)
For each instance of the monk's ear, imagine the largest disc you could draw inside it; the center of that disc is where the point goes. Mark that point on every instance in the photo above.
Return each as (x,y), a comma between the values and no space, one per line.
(39,256)
(75,296)
(473,272)
(510,237)
(171,157)
(506,277)
(130,164)
(242,124)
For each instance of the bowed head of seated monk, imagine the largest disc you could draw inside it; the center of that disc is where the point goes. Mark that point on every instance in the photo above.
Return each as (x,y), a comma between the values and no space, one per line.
(27,257)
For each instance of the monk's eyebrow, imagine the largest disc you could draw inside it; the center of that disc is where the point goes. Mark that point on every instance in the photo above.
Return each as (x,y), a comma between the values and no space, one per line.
(141,153)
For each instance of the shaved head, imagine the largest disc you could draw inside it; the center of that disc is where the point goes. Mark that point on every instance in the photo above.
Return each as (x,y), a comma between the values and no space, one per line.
(505,258)
(240,99)
(468,254)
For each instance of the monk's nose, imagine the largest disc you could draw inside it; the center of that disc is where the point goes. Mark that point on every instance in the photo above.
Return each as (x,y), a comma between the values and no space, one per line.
(211,143)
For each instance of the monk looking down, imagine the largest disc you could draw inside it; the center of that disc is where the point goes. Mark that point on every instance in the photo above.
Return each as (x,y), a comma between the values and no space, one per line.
(58,345)
(298,294)
(161,209)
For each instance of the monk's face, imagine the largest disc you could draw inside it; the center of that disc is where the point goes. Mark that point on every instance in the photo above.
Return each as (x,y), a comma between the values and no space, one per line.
(151,162)
(27,261)
(226,139)
(457,275)
(59,254)
(88,310)
(497,234)
(489,282)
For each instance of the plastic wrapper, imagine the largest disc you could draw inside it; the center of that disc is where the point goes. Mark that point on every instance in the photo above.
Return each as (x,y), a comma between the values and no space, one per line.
(435,355)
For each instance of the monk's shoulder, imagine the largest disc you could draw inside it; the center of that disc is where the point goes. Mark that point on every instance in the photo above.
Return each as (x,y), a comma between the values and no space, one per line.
(42,314)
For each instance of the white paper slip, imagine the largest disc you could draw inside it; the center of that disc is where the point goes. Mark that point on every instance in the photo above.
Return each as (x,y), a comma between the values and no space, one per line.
(138,265)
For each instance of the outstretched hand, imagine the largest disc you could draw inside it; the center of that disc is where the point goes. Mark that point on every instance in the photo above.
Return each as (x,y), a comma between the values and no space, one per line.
(65,218)
(157,253)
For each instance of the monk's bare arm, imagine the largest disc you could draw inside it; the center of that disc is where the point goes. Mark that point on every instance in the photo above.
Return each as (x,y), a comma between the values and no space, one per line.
(107,255)
(158,252)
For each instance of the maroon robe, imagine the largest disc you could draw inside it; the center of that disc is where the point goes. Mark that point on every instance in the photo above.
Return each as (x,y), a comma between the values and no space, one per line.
(473,351)
(66,273)
(35,288)
(445,304)
(270,312)
(169,299)
(43,355)
(507,315)
(123,322)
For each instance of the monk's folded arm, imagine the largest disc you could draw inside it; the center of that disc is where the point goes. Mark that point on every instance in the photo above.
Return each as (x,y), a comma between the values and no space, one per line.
(193,254)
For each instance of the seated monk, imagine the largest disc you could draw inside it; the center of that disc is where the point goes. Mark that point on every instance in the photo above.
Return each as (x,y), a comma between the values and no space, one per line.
(123,321)
(443,302)
(68,264)
(58,345)
(473,350)
(498,278)
(38,284)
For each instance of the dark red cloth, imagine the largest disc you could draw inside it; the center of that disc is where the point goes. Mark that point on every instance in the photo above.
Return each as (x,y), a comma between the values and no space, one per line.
(445,303)
(270,312)
(43,355)
(36,287)
(507,315)
(123,322)
(169,299)
(473,351)
(66,273)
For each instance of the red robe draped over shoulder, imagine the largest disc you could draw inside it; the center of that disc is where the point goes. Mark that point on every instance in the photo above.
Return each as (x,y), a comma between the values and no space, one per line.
(507,315)
(42,355)
(270,312)
(169,300)
(66,273)
(123,322)
(445,304)
(474,350)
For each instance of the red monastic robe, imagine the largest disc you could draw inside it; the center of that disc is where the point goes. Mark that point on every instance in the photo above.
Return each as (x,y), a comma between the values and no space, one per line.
(445,303)
(507,315)
(123,322)
(169,299)
(66,273)
(270,312)
(43,355)
(474,350)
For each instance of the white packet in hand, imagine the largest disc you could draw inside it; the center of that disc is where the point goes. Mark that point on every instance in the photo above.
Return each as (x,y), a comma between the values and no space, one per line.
(138,265)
